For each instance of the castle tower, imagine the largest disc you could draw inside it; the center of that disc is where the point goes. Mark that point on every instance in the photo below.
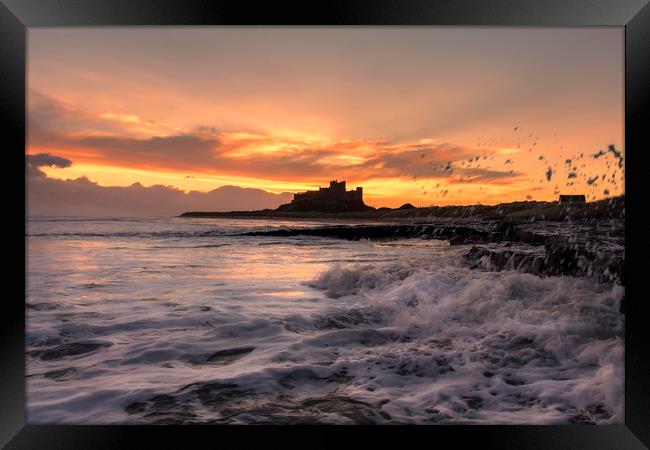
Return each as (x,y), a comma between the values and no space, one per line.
(337,187)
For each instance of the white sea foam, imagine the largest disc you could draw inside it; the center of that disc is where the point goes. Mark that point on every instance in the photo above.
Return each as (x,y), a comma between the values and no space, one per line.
(346,280)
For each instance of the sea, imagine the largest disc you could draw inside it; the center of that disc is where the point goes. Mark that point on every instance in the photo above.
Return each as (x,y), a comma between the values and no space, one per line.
(185,320)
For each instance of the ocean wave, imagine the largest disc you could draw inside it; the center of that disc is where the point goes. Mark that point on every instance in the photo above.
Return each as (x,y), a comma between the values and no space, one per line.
(341,279)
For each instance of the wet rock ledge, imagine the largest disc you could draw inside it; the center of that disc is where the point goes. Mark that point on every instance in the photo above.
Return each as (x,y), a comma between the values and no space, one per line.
(558,256)
(456,234)
(585,248)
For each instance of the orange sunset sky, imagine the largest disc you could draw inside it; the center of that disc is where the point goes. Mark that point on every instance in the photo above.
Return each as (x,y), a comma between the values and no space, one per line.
(427,115)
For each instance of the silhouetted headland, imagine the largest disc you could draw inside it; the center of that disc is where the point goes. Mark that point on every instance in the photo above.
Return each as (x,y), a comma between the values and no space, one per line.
(334,202)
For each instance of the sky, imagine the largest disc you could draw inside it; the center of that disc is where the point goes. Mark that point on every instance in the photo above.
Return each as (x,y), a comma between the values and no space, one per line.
(425,115)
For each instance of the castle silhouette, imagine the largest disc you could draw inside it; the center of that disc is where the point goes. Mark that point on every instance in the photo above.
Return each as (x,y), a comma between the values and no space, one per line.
(334,198)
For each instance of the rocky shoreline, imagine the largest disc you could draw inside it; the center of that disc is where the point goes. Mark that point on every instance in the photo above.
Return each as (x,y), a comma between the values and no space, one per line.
(556,257)
(541,238)
(592,248)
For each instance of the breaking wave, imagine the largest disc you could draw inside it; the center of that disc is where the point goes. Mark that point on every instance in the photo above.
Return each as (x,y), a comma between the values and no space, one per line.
(346,280)
(503,348)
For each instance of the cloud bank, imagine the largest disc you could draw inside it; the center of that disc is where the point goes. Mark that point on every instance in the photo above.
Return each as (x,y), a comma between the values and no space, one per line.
(49,197)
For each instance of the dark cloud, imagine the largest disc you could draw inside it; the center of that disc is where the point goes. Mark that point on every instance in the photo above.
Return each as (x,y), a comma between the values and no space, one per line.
(472,174)
(178,151)
(34,162)
(51,121)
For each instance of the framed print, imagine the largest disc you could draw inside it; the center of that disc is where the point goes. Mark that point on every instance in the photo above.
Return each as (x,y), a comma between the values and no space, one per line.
(415,219)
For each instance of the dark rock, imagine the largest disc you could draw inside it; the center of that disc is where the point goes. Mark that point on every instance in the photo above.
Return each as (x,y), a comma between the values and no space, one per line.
(216,395)
(136,408)
(577,259)
(473,402)
(230,352)
(473,257)
(537,266)
(561,257)
(500,259)
(58,375)
(68,349)
(455,234)
(525,265)
(513,261)
(162,409)
(223,357)
(359,412)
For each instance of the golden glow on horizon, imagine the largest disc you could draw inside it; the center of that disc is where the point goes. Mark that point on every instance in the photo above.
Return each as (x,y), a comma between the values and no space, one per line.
(122,176)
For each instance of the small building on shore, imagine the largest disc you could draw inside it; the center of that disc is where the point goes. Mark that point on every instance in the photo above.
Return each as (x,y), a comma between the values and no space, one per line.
(572,199)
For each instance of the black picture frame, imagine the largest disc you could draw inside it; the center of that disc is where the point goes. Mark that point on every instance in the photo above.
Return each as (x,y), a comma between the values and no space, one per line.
(633,15)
